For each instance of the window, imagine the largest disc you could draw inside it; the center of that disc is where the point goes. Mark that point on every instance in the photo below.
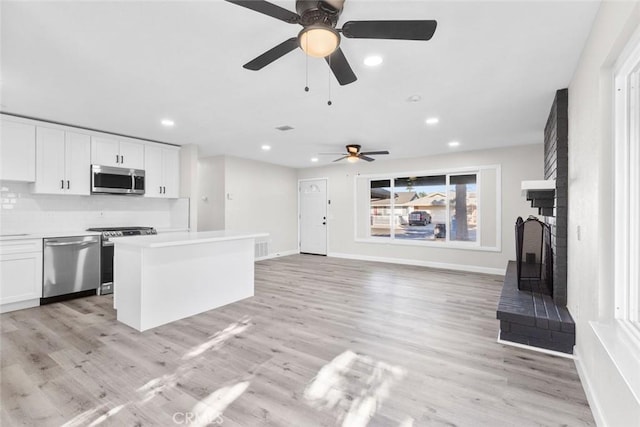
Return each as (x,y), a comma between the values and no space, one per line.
(627,189)
(432,208)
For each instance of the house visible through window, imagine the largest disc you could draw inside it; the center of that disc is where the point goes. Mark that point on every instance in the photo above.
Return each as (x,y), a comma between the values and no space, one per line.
(437,208)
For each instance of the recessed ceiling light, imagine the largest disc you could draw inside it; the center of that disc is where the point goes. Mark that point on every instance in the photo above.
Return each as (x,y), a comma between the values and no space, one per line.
(373,60)
(454,144)
(414,98)
(167,122)
(314,159)
(432,120)
(266,147)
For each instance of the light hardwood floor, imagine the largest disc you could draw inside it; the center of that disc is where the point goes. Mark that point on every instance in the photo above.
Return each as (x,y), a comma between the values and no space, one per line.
(323,342)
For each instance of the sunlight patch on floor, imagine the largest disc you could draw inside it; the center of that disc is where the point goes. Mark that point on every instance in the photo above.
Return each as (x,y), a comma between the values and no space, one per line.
(104,417)
(83,418)
(160,384)
(209,410)
(355,386)
(219,338)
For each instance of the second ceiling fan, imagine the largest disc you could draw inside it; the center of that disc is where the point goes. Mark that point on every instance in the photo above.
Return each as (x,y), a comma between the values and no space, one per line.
(320,38)
(354,154)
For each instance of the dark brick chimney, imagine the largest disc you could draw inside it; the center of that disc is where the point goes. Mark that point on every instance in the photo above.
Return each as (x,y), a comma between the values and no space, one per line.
(556,166)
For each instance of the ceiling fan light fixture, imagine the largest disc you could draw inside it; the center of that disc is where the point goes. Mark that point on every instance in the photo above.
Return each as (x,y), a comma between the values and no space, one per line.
(352,159)
(319,41)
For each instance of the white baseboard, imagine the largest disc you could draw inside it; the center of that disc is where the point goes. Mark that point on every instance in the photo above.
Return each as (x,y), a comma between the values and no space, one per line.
(588,391)
(537,349)
(20,305)
(279,254)
(441,265)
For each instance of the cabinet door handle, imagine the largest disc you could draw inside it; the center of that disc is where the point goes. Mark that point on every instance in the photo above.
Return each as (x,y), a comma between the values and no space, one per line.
(161,189)
(164,190)
(68,184)
(62,184)
(121,159)
(117,159)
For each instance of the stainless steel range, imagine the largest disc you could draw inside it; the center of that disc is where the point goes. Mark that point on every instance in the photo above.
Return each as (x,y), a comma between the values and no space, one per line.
(106,251)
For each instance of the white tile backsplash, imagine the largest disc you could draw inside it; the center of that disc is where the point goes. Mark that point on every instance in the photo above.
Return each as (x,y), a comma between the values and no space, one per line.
(21,211)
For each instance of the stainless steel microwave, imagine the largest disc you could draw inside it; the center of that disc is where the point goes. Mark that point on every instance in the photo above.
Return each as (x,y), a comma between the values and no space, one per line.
(110,180)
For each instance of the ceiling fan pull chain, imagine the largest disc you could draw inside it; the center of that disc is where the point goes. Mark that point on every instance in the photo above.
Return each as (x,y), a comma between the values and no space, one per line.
(306,71)
(329,101)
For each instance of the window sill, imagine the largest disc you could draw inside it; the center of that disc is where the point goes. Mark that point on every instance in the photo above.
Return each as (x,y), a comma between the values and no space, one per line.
(621,341)
(470,246)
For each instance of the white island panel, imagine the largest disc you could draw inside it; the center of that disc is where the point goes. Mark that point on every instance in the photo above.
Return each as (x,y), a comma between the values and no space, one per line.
(158,280)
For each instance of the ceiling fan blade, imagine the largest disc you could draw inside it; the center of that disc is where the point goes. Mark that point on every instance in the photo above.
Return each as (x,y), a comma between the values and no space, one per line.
(368,159)
(341,68)
(374,153)
(269,9)
(399,30)
(271,55)
(341,158)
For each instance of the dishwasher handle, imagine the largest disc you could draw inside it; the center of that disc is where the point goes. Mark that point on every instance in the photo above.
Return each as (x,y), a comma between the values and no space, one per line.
(81,243)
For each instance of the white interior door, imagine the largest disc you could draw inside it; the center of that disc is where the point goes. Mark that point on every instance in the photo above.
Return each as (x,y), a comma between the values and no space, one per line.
(313,216)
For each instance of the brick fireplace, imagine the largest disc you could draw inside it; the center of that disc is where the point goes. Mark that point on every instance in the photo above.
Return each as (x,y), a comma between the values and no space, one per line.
(538,317)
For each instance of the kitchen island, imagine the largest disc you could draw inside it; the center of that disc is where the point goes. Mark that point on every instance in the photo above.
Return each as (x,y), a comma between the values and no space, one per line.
(166,277)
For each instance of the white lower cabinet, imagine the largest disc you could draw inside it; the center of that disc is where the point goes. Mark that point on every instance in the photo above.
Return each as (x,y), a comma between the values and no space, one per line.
(20,274)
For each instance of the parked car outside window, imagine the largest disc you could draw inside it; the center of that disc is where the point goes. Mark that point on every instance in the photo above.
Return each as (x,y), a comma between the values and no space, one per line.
(419,218)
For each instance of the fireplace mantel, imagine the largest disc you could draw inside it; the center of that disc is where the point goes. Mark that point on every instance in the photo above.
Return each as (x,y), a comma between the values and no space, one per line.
(541,194)
(538,185)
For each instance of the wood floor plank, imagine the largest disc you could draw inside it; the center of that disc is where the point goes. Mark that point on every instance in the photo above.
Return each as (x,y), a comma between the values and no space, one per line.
(323,342)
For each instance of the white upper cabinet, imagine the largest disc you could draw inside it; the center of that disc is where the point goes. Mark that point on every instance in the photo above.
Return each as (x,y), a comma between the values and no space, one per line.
(153,178)
(78,163)
(63,161)
(18,148)
(131,155)
(113,152)
(171,172)
(105,151)
(162,166)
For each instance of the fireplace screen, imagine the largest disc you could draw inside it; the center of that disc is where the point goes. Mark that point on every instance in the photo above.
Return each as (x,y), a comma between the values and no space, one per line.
(533,256)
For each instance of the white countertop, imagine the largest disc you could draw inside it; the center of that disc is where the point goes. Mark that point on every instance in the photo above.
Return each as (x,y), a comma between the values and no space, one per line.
(184,238)
(46,235)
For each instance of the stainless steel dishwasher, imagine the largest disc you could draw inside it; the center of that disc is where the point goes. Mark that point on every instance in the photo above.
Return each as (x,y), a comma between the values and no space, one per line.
(70,264)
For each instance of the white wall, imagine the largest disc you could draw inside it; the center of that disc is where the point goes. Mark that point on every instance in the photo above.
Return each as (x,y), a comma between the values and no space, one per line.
(590,262)
(517,164)
(247,195)
(23,212)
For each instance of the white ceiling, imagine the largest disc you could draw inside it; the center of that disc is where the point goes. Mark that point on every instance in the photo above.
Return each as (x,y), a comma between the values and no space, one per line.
(489,73)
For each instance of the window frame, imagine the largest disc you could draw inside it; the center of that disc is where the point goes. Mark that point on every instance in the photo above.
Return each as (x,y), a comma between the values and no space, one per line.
(626,167)
(447,244)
